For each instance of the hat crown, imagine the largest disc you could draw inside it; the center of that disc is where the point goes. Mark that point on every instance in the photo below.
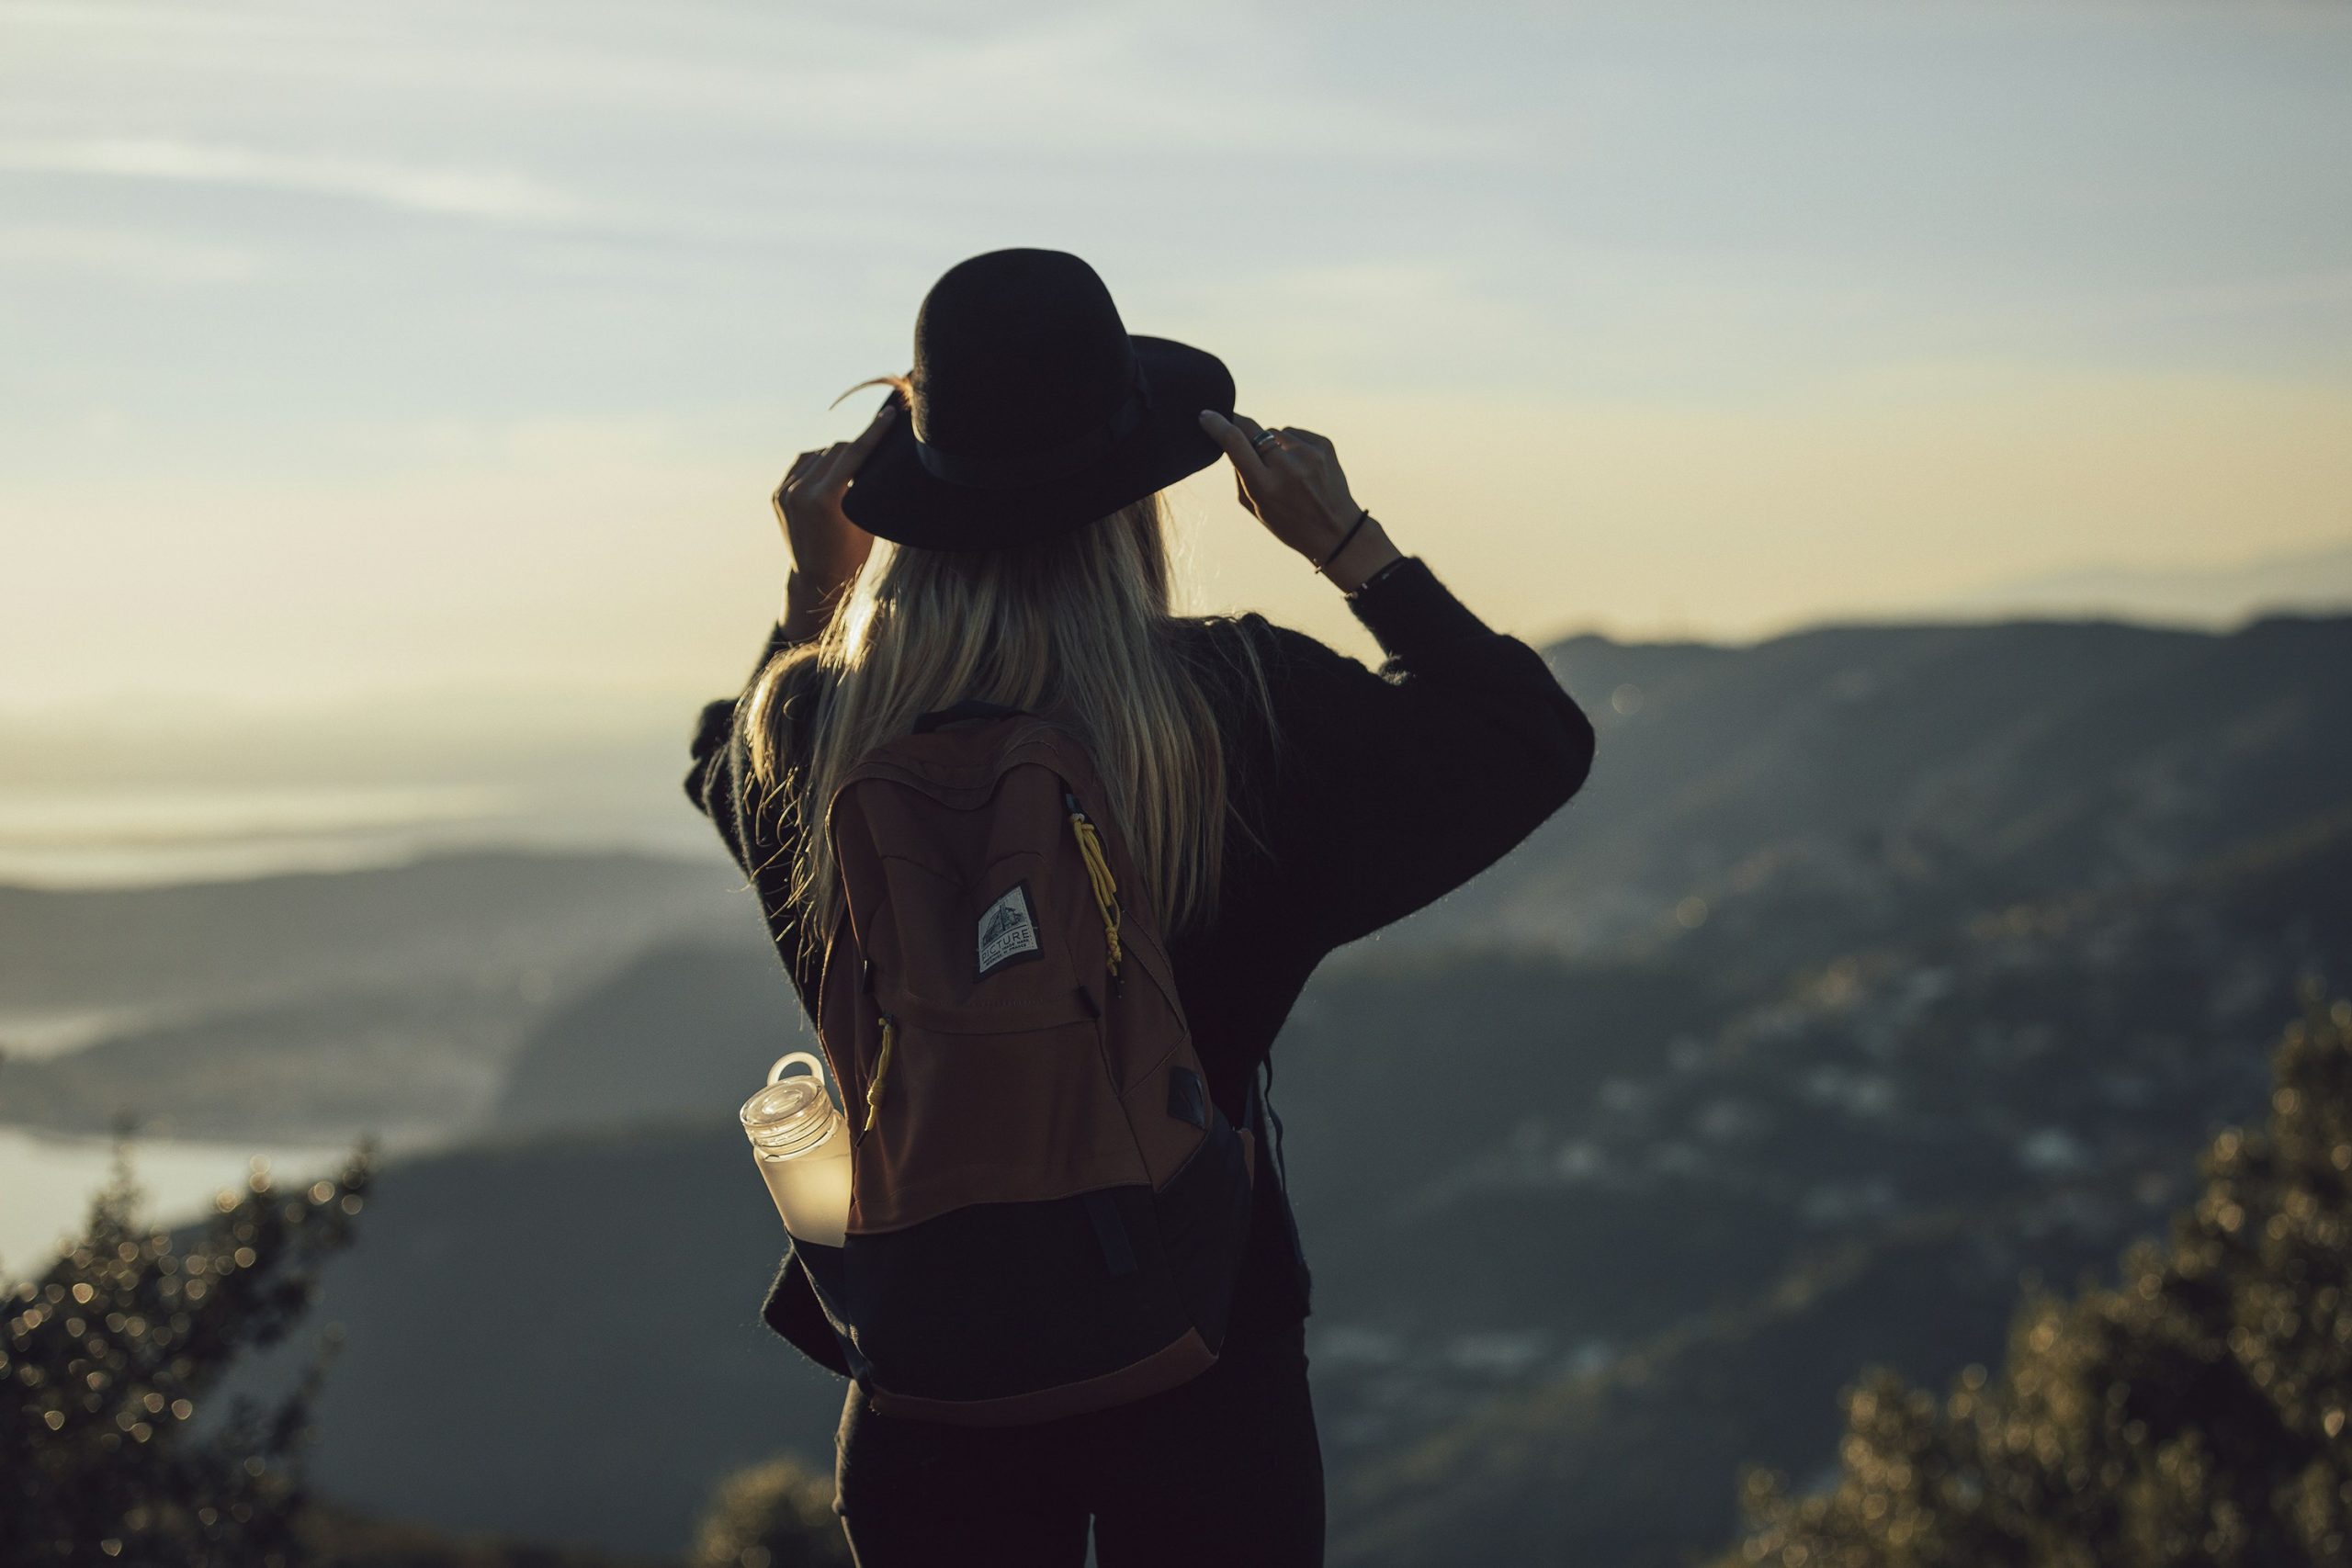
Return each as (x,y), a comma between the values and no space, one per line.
(1017,351)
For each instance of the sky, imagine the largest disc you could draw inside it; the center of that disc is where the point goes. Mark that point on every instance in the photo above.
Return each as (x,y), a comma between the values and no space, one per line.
(349,350)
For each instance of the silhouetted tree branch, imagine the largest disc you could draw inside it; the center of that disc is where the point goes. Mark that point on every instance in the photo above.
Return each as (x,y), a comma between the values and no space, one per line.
(107,1359)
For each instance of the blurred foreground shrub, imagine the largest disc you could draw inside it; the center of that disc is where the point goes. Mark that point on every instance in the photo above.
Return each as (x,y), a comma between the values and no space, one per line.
(2199,1412)
(333,1538)
(775,1515)
(105,1359)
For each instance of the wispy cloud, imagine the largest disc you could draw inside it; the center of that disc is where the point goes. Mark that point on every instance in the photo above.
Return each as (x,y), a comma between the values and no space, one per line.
(490,195)
(141,256)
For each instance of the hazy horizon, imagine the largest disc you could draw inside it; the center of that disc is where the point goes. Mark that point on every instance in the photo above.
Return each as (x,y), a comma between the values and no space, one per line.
(2217,600)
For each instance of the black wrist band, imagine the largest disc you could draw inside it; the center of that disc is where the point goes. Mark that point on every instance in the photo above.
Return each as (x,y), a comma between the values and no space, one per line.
(1345,539)
(1377,578)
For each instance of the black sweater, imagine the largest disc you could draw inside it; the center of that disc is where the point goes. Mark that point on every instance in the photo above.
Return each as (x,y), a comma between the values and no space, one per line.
(1388,791)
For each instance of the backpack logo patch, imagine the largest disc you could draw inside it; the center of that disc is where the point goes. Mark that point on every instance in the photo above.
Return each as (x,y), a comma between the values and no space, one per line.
(1008,930)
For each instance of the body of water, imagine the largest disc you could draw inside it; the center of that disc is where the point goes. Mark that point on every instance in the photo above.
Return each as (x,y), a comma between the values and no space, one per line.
(47,1180)
(131,837)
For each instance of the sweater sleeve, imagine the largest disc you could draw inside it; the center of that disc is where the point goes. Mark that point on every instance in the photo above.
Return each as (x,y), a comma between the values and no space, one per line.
(714,739)
(793,1312)
(719,780)
(1394,787)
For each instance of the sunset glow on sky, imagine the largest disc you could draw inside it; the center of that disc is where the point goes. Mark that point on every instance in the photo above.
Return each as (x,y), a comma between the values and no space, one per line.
(367,347)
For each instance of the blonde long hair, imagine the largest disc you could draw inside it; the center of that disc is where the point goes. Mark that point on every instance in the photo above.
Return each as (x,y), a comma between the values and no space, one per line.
(1082,623)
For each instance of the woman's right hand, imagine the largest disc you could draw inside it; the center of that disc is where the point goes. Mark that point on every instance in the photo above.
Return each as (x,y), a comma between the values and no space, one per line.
(1294,486)
(827,548)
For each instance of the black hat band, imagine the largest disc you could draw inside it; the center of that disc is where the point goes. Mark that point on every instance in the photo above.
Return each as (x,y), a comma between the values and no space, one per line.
(1008,470)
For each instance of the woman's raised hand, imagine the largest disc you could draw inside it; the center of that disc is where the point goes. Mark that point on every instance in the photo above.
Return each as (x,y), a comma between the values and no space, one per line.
(827,548)
(1290,480)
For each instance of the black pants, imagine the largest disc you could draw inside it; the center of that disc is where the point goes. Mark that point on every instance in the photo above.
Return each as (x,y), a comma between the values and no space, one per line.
(1224,1470)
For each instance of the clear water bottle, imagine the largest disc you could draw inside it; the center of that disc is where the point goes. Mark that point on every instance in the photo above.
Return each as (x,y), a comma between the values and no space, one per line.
(802,1145)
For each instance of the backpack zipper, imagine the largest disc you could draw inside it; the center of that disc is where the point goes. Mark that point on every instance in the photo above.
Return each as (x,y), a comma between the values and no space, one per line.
(881,1073)
(1098,874)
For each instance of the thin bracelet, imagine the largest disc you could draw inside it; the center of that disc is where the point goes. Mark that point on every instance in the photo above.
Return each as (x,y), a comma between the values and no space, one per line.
(1377,578)
(1345,539)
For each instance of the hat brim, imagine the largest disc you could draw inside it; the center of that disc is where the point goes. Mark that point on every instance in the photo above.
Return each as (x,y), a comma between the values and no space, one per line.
(894,497)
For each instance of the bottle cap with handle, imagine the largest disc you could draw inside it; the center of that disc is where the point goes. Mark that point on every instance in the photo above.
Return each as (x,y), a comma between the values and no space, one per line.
(791,1115)
(803,1147)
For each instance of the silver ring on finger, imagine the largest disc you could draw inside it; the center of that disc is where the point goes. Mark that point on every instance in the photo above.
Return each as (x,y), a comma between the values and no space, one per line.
(1265,438)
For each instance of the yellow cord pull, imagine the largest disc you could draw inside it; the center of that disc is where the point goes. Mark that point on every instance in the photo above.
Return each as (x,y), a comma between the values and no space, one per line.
(1098,872)
(881,1073)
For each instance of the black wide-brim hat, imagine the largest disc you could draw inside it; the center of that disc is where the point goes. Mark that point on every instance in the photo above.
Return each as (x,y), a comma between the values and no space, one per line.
(1035,411)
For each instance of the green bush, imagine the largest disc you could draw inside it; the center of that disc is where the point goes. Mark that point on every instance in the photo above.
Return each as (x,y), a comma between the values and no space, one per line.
(2194,1414)
(337,1537)
(775,1515)
(105,1359)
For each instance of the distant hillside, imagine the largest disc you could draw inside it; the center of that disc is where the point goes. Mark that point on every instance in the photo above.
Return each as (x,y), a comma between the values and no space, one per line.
(233,942)
(1809,792)
(1630,1459)
(2308,581)
(1673,1275)
(685,1029)
(558,1339)
(324,1004)
(406,1063)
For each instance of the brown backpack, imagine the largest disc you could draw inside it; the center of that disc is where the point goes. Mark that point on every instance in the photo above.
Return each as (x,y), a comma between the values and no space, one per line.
(1048,1211)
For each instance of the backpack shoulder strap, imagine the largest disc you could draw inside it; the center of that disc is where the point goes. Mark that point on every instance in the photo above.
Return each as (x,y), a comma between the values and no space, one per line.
(971,707)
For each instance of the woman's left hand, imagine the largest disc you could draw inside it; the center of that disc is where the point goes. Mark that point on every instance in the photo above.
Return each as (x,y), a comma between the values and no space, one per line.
(827,548)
